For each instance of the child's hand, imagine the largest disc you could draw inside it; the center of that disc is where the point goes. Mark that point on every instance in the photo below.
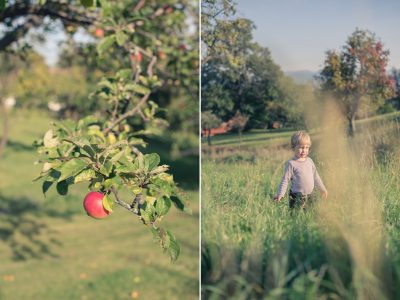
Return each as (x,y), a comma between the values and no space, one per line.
(324,194)
(277,198)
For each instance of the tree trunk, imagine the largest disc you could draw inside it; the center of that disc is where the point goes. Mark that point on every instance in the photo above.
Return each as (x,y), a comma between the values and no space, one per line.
(209,137)
(4,136)
(240,136)
(351,129)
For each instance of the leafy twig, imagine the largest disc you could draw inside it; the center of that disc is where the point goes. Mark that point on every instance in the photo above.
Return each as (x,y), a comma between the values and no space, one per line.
(127,114)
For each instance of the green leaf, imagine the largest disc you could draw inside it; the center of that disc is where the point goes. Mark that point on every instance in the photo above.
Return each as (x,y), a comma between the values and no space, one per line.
(89,120)
(124,73)
(137,141)
(49,140)
(162,206)
(96,132)
(152,160)
(54,174)
(116,157)
(160,169)
(105,43)
(67,126)
(62,187)
(106,168)
(148,213)
(105,83)
(106,8)
(88,151)
(178,202)
(42,2)
(139,161)
(112,182)
(85,175)
(156,234)
(3,4)
(163,186)
(127,166)
(87,3)
(121,37)
(172,246)
(46,185)
(167,242)
(71,168)
(108,203)
(137,88)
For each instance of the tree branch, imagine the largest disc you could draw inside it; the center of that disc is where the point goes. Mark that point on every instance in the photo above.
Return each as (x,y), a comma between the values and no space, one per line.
(19,32)
(35,14)
(122,203)
(139,5)
(55,10)
(128,114)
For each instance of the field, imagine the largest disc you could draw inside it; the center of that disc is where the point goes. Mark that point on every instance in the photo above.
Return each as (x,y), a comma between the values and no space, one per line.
(345,247)
(49,248)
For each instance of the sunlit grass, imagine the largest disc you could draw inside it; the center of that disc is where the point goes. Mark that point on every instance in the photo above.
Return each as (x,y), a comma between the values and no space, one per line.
(50,249)
(262,250)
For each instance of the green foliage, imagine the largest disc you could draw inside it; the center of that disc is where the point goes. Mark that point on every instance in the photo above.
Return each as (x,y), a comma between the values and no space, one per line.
(209,120)
(88,3)
(81,152)
(240,75)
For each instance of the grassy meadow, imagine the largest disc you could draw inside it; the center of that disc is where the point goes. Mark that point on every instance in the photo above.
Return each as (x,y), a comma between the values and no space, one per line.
(50,249)
(344,247)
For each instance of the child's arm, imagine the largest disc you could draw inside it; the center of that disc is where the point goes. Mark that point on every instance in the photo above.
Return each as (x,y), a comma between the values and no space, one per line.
(287,176)
(318,182)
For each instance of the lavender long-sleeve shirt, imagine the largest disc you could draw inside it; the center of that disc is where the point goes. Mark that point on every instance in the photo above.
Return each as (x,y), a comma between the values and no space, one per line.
(303,176)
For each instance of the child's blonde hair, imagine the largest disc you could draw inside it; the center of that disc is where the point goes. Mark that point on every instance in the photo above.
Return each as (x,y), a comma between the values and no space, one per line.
(300,137)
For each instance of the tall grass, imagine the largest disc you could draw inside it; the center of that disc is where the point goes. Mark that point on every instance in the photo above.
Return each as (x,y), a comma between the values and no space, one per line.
(345,247)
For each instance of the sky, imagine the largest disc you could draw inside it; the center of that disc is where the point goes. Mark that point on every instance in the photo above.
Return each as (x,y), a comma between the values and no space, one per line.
(299,32)
(50,49)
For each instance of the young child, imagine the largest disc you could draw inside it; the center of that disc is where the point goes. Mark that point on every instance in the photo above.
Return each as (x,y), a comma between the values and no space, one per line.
(301,171)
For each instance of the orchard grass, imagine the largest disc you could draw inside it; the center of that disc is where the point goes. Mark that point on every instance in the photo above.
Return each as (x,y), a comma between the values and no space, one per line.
(50,249)
(262,250)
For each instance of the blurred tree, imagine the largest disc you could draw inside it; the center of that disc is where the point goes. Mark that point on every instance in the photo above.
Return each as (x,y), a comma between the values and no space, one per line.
(240,75)
(10,65)
(238,122)
(209,121)
(212,11)
(20,16)
(395,81)
(16,21)
(34,84)
(357,76)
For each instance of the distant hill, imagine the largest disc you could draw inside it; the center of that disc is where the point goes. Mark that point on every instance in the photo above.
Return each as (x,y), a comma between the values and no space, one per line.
(302,76)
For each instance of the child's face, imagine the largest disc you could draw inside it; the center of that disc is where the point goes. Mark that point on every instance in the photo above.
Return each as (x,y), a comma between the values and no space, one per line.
(301,150)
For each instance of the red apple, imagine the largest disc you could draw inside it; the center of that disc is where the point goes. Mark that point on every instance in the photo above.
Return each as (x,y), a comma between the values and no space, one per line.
(182,47)
(168,9)
(93,205)
(162,55)
(136,57)
(99,32)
